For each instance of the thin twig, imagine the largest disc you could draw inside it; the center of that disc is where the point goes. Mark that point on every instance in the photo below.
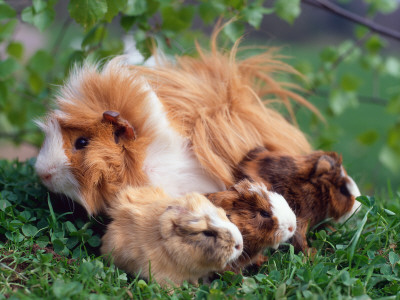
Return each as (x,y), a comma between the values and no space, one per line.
(60,37)
(362,98)
(10,269)
(329,6)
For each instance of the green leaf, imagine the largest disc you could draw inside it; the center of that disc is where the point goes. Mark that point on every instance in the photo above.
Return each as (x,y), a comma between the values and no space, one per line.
(71,227)
(209,11)
(39,5)
(15,49)
(374,44)
(72,242)
(354,241)
(127,22)
(27,15)
(366,200)
(36,83)
(234,30)
(287,10)
(64,290)
(346,279)
(58,246)
(29,230)
(113,8)
(42,241)
(281,291)
(386,269)
(368,138)
(16,237)
(390,159)
(394,258)
(392,66)
(43,19)
(7,67)
(41,62)
(329,54)
(7,29)
(393,106)
(135,7)
(145,46)
(177,19)
(94,36)
(253,15)
(393,140)
(383,6)
(88,12)
(249,285)
(349,82)
(339,101)
(152,7)
(6,11)
(4,204)
(94,241)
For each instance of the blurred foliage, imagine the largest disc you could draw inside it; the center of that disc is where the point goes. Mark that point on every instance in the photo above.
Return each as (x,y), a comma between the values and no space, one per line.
(94,29)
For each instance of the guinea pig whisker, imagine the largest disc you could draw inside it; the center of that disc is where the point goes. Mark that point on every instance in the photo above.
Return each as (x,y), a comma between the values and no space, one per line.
(246,255)
(94,218)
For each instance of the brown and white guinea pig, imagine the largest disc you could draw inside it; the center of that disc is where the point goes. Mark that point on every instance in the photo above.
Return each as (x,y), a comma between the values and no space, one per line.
(182,238)
(263,217)
(181,127)
(316,186)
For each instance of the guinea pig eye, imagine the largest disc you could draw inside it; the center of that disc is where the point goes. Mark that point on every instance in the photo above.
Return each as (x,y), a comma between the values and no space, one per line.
(209,233)
(81,143)
(265,214)
(344,190)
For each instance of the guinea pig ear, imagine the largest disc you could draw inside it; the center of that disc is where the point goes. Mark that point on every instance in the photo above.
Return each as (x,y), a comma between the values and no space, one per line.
(122,128)
(170,220)
(324,164)
(241,187)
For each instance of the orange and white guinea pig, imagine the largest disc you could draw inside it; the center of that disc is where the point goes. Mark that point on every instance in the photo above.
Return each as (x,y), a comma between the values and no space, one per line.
(316,186)
(181,238)
(182,127)
(263,217)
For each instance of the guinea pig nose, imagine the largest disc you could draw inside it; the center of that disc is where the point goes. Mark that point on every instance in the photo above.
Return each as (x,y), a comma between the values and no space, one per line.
(45,176)
(238,246)
(291,228)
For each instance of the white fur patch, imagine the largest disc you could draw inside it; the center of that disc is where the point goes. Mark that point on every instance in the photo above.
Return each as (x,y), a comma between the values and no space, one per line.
(211,211)
(170,163)
(355,192)
(285,216)
(53,162)
(280,209)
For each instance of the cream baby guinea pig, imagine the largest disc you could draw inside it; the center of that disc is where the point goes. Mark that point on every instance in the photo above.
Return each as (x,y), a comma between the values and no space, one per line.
(182,238)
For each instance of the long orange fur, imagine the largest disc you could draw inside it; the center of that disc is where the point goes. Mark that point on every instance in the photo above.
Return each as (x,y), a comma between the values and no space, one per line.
(216,101)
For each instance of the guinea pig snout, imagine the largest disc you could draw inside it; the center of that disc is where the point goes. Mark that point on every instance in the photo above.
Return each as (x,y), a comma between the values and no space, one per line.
(285,217)
(46,176)
(239,246)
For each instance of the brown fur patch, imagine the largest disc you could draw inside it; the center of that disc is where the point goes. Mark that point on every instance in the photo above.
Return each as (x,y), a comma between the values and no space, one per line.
(246,209)
(312,185)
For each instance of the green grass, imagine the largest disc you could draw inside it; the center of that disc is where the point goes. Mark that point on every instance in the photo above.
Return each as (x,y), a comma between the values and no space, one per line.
(46,253)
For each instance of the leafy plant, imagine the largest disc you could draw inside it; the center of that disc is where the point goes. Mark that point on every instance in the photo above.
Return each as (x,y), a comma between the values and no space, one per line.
(47,253)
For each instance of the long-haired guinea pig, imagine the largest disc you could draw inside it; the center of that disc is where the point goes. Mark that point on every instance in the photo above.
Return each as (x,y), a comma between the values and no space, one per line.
(316,186)
(181,238)
(182,127)
(263,217)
